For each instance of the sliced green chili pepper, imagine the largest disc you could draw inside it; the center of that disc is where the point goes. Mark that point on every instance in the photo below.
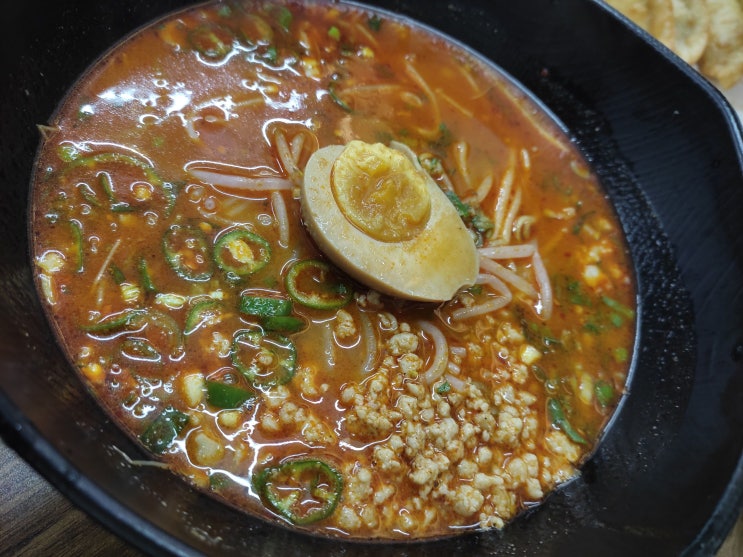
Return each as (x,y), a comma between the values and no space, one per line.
(539,373)
(283,323)
(88,194)
(284,17)
(122,207)
(222,395)
(170,332)
(77,236)
(315,284)
(139,349)
(144,276)
(240,253)
(108,188)
(69,152)
(219,481)
(76,159)
(163,430)
(187,252)
(109,156)
(264,306)
(203,312)
(117,274)
(557,415)
(116,322)
(266,359)
(302,491)
(211,41)
(336,99)
(139,320)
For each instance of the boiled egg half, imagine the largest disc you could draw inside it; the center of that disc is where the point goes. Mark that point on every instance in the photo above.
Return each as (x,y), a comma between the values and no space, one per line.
(378,215)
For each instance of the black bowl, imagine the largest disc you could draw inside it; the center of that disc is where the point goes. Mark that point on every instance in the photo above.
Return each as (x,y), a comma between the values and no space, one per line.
(667,477)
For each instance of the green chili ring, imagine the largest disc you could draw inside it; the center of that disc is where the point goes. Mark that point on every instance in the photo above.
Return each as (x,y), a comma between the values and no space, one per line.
(126,320)
(204,312)
(187,252)
(159,435)
(76,160)
(259,248)
(140,349)
(271,357)
(138,320)
(330,290)
(303,480)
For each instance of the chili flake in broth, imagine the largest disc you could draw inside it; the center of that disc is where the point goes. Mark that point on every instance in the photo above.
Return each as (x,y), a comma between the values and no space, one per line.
(172,260)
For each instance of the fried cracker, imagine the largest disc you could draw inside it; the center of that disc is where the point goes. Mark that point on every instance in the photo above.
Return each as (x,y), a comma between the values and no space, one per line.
(722,60)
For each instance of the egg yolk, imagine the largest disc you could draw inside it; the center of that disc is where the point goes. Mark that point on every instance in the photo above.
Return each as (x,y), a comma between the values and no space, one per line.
(379,190)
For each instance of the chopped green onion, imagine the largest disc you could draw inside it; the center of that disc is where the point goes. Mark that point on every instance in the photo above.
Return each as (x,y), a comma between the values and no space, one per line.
(557,415)
(334,33)
(443,388)
(284,17)
(374,22)
(616,319)
(604,392)
(462,208)
(620,308)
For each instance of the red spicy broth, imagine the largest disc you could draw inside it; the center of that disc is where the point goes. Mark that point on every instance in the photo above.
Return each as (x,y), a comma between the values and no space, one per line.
(173,262)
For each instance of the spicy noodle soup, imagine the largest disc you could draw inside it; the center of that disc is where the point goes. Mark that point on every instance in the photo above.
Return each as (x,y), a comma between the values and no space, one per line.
(174,260)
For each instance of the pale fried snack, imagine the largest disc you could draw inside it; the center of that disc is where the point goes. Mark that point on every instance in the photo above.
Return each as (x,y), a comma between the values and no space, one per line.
(691,19)
(662,25)
(722,60)
(707,34)
(655,16)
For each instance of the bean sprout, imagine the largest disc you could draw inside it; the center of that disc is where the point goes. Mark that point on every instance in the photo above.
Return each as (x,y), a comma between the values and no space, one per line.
(441,352)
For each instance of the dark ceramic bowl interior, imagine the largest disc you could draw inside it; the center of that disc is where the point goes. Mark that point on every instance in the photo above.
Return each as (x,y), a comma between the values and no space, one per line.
(667,478)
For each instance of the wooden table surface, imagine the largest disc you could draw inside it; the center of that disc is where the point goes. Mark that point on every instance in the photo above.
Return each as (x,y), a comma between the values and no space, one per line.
(37,521)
